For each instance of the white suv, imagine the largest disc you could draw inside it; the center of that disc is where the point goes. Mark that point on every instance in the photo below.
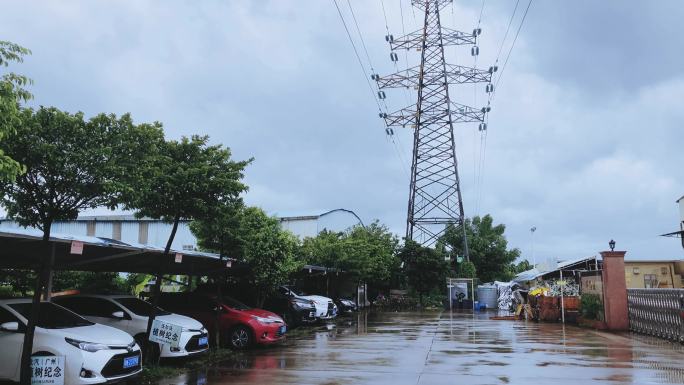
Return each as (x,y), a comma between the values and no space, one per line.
(325,307)
(130,314)
(94,354)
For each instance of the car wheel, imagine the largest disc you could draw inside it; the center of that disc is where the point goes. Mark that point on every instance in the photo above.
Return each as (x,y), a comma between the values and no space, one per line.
(240,338)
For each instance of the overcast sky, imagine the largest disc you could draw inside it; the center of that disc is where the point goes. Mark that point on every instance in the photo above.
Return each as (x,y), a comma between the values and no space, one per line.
(584,141)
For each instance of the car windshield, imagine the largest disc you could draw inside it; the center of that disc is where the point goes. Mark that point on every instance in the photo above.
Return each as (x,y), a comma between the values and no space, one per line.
(52,316)
(138,306)
(296,290)
(235,304)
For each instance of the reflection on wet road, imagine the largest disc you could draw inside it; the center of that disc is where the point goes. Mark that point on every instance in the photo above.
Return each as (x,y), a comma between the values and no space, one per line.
(444,348)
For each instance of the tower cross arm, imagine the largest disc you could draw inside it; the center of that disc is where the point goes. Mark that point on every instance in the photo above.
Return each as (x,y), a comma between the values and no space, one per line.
(457,113)
(416,40)
(455,74)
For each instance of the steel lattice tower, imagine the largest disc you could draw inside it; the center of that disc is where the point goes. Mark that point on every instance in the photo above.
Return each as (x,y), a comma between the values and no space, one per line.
(435,199)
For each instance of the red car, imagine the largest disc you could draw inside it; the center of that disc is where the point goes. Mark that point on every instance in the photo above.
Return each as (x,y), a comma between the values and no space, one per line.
(240,326)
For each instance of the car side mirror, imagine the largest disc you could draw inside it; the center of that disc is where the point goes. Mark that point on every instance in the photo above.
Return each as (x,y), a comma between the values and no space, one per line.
(118,314)
(9,326)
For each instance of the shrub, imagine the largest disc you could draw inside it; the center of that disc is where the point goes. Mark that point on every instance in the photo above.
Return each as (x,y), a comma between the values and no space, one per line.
(591,307)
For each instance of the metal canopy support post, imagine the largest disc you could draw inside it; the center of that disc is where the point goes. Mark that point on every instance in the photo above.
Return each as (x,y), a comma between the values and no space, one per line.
(562,292)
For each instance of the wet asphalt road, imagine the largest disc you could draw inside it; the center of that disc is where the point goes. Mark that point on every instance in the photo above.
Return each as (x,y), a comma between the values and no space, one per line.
(444,348)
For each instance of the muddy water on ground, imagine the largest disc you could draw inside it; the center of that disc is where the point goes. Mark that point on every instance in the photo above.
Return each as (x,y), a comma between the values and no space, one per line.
(449,348)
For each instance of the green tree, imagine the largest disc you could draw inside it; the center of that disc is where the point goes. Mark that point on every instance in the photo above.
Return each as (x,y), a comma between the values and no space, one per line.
(221,232)
(269,250)
(466,269)
(71,164)
(367,252)
(487,245)
(425,268)
(188,180)
(327,249)
(12,93)
(89,282)
(514,269)
(20,282)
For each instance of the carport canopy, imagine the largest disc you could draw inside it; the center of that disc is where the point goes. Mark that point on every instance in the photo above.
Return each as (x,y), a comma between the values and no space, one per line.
(22,249)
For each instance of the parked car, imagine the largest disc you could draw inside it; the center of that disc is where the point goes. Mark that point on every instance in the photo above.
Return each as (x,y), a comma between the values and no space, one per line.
(346,305)
(325,307)
(94,354)
(240,326)
(295,311)
(131,314)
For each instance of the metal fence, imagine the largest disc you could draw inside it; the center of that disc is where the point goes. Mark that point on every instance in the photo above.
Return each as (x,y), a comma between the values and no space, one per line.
(657,312)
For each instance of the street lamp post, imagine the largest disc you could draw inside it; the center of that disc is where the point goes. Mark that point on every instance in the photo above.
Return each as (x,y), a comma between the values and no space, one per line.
(534,259)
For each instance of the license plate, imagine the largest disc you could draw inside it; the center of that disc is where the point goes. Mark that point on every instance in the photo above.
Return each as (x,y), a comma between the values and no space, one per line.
(203,341)
(130,362)
(283,329)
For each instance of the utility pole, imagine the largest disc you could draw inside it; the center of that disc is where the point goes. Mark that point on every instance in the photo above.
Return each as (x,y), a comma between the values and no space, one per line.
(435,199)
(534,259)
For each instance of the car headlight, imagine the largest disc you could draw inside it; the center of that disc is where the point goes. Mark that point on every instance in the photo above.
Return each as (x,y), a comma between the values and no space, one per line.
(267,321)
(87,346)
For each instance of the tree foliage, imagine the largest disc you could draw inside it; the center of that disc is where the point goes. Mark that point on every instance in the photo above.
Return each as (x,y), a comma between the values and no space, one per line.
(367,252)
(221,231)
(249,235)
(12,93)
(188,180)
(90,282)
(487,245)
(466,269)
(72,164)
(425,268)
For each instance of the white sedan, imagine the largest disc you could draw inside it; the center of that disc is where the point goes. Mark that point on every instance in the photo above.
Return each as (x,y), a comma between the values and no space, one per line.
(94,354)
(130,314)
(325,307)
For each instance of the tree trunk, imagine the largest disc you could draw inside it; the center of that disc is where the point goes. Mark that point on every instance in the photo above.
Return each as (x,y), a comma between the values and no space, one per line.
(217,318)
(155,296)
(43,270)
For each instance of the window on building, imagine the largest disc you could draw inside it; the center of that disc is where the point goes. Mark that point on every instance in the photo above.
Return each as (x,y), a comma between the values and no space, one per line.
(635,270)
(116,231)
(142,232)
(90,228)
(664,270)
(650,281)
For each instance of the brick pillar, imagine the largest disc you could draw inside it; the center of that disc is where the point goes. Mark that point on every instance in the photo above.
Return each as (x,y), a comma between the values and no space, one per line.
(615,290)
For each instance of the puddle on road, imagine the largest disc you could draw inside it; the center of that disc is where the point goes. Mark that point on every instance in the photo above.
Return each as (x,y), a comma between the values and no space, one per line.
(392,348)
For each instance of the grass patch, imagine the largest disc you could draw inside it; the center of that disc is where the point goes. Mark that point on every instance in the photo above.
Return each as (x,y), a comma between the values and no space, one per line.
(171,368)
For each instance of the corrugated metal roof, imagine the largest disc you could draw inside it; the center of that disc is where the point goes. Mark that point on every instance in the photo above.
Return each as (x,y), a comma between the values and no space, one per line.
(30,233)
(535,273)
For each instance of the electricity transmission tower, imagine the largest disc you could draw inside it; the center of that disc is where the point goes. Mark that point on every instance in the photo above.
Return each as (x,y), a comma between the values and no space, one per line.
(435,193)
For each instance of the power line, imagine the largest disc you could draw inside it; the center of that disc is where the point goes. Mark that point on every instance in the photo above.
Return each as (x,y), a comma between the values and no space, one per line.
(510,22)
(363,69)
(358,30)
(482,161)
(503,68)
(358,57)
